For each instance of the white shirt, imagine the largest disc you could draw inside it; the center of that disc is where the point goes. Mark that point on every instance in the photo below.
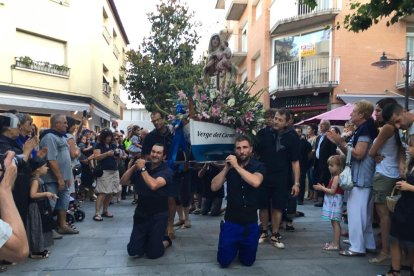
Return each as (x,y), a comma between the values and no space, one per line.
(5,232)
(319,145)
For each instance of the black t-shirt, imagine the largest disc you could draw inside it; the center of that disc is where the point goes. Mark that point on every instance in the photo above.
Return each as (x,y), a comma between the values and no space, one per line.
(277,150)
(305,148)
(152,202)
(109,162)
(154,137)
(242,198)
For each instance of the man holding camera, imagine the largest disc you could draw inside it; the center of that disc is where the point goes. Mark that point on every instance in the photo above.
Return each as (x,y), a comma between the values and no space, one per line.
(239,233)
(151,182)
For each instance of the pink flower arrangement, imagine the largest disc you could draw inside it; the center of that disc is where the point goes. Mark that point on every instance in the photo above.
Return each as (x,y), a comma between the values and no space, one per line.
(235,107)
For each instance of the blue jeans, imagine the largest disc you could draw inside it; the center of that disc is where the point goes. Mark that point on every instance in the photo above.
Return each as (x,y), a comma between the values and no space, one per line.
(236,238)
(62,203)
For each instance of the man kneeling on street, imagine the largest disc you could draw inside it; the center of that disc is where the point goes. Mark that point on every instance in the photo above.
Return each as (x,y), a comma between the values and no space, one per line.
(240,231)
(151,214)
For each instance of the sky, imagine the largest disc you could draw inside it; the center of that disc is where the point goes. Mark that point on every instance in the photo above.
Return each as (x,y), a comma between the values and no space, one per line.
(133,14)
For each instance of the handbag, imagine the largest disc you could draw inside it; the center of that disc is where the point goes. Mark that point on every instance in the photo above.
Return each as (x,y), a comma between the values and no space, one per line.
(345,178)
(46,213)
(392,200)
(77,169)
(98,170)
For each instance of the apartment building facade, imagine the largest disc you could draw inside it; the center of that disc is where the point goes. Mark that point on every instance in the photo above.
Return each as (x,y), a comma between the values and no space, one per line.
(62,57)
(306,63)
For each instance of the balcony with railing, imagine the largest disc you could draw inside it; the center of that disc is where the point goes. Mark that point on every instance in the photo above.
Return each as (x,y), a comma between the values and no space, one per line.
(238,47)
(116,99)
(106,34)
(106,89)
(234,9)
(311,72)
(28,64)
(289,15)
(116,51)
(400,83)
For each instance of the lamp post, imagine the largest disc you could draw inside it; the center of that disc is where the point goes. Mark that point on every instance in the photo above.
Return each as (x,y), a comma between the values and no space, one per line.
(384,62)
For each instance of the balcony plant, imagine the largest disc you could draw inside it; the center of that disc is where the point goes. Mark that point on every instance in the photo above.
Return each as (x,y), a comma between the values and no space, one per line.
(26,61)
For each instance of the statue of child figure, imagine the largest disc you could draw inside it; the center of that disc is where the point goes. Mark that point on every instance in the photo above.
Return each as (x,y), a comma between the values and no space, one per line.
(219,60)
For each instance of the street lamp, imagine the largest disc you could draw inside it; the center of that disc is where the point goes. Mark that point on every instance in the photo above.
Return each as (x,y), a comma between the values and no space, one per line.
(384,62)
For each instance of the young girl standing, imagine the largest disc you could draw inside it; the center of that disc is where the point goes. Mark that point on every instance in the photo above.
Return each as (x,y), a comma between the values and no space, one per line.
(38,236)
(333,200)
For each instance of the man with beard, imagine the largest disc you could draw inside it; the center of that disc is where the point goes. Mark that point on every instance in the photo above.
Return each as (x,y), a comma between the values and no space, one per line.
(151,182)
(239,231)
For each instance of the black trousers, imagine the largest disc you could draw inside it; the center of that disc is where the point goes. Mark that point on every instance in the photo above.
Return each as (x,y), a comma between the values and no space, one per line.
(147,235)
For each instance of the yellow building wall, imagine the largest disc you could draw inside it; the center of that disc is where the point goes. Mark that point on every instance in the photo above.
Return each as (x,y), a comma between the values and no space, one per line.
(80,26)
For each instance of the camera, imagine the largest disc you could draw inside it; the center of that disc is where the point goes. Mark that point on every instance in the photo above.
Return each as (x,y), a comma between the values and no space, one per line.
(18,160)
(9,120)
(117,152)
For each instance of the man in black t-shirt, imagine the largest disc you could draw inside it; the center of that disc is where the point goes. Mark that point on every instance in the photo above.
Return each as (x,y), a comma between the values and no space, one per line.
(151,182)
(278,150)
(162,135)
(239,232)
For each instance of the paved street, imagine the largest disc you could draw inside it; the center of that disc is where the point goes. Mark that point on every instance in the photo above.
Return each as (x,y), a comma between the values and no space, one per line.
(100,249)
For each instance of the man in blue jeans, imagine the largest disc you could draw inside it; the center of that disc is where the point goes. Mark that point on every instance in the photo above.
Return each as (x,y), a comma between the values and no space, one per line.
(239,232)
(58,178)
(151,182)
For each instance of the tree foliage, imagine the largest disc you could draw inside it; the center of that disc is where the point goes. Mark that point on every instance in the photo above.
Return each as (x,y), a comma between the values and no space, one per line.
(364,15)
(164,61)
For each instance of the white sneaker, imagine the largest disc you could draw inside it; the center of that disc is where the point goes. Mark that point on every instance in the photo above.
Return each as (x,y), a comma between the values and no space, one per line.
(263,237)
(56,235)
(275,240)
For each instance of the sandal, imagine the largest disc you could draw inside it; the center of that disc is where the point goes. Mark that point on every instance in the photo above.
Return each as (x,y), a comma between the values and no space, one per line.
(381,257)
(393,272)
(179,223)
(350,253)
(186,225)
(331,247)
(97,218)
(107,215)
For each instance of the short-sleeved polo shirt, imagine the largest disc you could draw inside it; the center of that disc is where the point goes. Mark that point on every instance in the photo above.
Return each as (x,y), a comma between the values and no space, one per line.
(242,198)
(152,202)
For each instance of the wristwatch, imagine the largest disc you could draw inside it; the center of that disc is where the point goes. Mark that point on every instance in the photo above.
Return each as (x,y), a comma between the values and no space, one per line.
(143,169)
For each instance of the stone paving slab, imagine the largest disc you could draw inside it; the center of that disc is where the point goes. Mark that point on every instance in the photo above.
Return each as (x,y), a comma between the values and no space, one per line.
(100,249)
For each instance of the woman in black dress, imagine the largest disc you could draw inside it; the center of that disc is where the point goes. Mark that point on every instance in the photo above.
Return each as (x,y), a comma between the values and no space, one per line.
(402,223)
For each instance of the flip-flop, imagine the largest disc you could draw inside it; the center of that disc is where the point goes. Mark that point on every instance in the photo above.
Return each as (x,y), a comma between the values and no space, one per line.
(107,215)
(179,223)
(350,253)
(97,218)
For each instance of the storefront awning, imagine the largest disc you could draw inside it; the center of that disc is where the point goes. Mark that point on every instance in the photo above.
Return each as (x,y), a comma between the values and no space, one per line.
(39,105)
(100,113)
(352,98)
